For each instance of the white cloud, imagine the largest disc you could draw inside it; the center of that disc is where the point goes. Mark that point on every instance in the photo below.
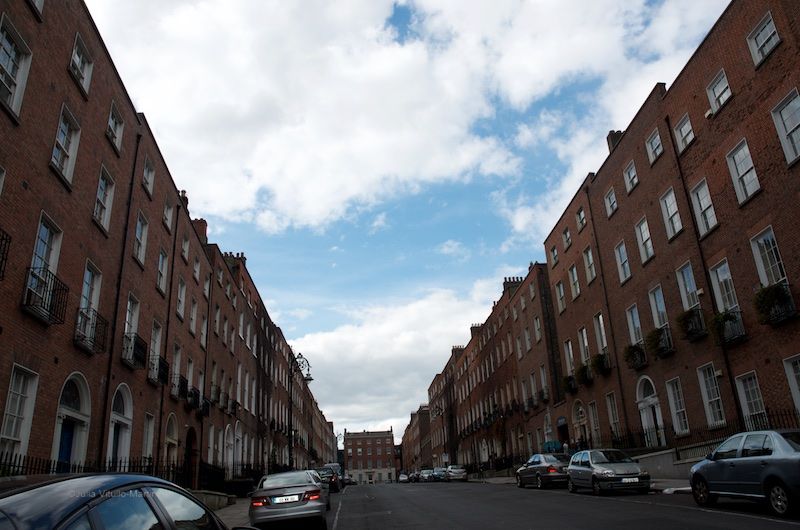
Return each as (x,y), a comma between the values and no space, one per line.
(454,249)
(379,223)
(383,362)
(300,313)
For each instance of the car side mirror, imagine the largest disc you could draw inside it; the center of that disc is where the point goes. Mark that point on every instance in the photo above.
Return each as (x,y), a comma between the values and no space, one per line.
(710,456)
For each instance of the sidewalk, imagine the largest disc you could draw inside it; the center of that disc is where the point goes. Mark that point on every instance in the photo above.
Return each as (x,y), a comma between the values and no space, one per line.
(235,514)
(661,485)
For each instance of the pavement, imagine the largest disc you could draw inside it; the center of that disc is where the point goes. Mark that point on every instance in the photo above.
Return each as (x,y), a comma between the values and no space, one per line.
(662,485)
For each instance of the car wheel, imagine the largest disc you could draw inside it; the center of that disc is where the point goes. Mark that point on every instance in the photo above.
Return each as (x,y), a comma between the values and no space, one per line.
(702,495)
(596,489)
(539,483)
(571,486)
(519,482)
(778,499)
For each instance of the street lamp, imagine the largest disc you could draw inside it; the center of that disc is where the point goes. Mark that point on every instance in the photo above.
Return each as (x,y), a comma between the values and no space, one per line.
(297,364)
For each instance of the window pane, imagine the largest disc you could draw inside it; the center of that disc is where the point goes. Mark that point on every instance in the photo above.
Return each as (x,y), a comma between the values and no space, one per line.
(184,511)
(128,512)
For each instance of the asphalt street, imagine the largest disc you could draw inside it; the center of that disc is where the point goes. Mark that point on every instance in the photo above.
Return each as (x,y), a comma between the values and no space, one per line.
(489,506)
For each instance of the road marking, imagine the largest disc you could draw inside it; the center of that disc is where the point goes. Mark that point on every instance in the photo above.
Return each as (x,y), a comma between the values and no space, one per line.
(338,508)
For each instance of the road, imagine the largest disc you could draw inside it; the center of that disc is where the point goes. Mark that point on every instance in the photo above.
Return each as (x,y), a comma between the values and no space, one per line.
(489,506)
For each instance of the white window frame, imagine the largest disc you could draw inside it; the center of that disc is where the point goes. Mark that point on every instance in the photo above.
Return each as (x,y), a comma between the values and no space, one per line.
(560,296)
(81,64)
(725,295)
(658,307)
(567,237)
(574,282)
(634,325)
(671,214)
(16,93)
(537,328)
(62,159)
(167,216)
(719,91)
(630,176)
(600,333)
(610,200)
(702,371)
(553,255)
(793,379)
(148,176)
(25,415)
(140,242)
(580,218)
(180,305)
(706,216)
(185,249)
(162,269)
(743,171)
(583,345)
(193,317)
(689,298)
(789,134)
(644,240)
(684,134)
(654,146)
(677,407)
(569,357)
(754,412)
(589,265)
(115,127)
(613,414)
(623,263)
(768,277)
(761,50)
(103,206)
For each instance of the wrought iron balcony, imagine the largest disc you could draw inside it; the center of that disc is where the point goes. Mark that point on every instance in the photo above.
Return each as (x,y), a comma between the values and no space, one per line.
(730,327)
(153,367)
(693,324)
(635,356)
(90,331)
(134,351)
(193,398)
(233,407)
(45,296)
(570,384)
(584,375)
(659,342)
(5,245)
(775,304)
(601,363)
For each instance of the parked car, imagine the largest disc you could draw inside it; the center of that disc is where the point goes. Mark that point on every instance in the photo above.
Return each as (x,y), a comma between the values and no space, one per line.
(403,478)
(130,501)
(760,465)
(605,470)
(330,478)
(413,476)
(339,483)
(439,474)
(426,475)
(293,495)
(456,472)
(348,480)
(543,470)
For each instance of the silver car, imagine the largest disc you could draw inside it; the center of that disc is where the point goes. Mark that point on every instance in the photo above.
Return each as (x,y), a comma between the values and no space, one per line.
(290,495)
(456,472)
(605,470)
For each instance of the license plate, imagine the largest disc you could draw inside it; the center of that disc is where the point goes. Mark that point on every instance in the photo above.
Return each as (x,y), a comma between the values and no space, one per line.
(288,498)
(629,480)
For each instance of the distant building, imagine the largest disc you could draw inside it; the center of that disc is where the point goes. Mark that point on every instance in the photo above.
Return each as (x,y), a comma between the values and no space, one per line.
(369,456)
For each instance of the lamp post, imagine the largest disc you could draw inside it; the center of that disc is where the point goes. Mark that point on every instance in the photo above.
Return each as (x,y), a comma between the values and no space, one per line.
(297,364)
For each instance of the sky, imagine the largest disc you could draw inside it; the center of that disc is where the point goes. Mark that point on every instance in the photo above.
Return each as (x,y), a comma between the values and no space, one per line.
(385,164)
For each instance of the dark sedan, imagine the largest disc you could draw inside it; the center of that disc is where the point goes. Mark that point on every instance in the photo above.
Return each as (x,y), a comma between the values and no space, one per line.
(107,501)
(543,470)
(760,465)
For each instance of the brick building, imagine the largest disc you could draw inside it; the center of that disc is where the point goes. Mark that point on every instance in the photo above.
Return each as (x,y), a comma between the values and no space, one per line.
(416,441)
(667,309)
(369,456)
(127,337)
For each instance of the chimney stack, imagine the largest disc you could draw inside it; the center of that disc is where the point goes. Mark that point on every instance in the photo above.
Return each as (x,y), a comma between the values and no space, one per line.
(613,139)
(201,227)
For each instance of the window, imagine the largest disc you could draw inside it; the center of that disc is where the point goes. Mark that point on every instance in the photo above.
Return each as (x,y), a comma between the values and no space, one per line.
(132,315)
(588,263)
(129,511)
(645,242)
(519,348)
(537,328)
(527,339)
(532,290)
(115,127)
(553,255)
(787,121)
(196,270)
(66,145)
(181,303)
(560,296)
(161,275)
(185,249)
(654,147)
(193,316)
(167,217)
(703,208)
(90,291)
(568,356)
(672,217)
(623,267)
(19,411)
(684,133)
(631,178)
(611,202)
(81,64)
(580,218)
(104,199)
(567,238)
(680,421)
(45,253)
(768,258)
(755,416)
(600,333)
(15,62)
(216,320)
(583,344)
(207,285)
(634,325)
(718,91)
(722,283)
(740,164)
(149,430)
(613,415)
(687,287)
(148,176)
(140,238)
(658,307)
(792,368)
(763,39)
(712,400)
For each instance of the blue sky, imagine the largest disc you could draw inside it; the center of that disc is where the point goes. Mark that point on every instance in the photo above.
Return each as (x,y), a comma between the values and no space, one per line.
(384,165)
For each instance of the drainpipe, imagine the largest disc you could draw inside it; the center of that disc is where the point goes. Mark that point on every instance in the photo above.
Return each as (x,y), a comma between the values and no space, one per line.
(105,419)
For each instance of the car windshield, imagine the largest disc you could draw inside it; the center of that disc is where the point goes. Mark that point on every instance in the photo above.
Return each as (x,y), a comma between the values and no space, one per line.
(286,479)
(793,438)
(456,468)
(556,459)
(610,457)
(427,471)
(324,471)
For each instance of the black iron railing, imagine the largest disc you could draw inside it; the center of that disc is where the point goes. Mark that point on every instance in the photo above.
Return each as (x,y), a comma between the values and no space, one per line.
(45,296)
(693,324)
(90,331)
(730,326)
(134,350)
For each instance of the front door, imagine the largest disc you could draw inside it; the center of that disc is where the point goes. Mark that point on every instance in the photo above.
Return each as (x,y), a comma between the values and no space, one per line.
(65,444)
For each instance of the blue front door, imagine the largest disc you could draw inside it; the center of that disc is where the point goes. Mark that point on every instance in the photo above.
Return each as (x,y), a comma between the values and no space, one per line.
(65,444)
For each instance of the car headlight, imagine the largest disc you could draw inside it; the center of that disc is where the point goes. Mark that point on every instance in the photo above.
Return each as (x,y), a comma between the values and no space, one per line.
(606,473)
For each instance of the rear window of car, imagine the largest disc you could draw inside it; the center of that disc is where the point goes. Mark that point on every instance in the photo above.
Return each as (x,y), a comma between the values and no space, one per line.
(793,438)
(286,479)
(555,459)
(324,471)
(610,457)
(456,468)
